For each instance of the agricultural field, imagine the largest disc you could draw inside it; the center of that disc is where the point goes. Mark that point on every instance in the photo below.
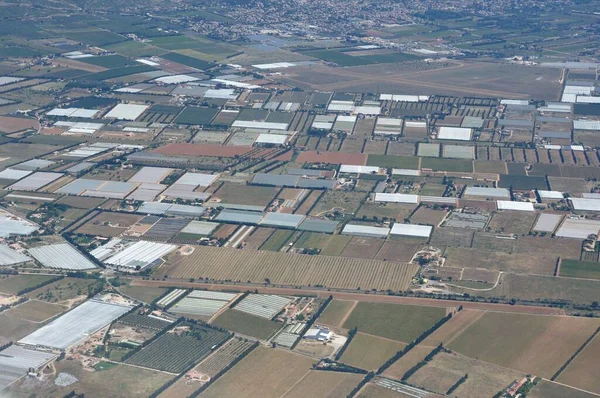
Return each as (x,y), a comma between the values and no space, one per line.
(249,195)
(380,211)
(403,323)
(196,116)
(449,165)
(428,216)
(145,294)
(13,329)
(520,341)
(176,350)
(446,369)
(35,311)
(582,372)
(65,289)
(277,240)
(288,269)
(341,201)
(549,389)
(211,366)
(360,247)
(370,352)
(124,380)
(512,222)
(579,269)
(324,383)
(246,324)
(393,162)
(397,251)
(336,312)
(247,379)
(16,283)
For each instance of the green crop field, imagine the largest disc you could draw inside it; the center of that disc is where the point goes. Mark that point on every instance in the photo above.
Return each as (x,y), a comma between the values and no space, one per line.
(342,59)
(194,115)
(109,61)
(246,324)
(391,161)
(117,72)
(96,37)
(580,269)
(398,322)
(187,60)
(14,284)
(277,240)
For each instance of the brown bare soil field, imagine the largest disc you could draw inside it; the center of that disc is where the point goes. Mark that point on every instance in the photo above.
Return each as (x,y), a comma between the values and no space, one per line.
(459,322)
(81,202)
(257,238)
(515,222)
(71,63)
(584,372)
(549,389)
(397,251)
(375,147)
(324,384)
(352,145)
(481,275)
(566,248)
(538,263)
(185,149)
(333,158)
(523,342)
(413,357)
(109,224)
(12,124)
(488,166)
(308,202)
(225,231)
(226,264)
(398,211)
(35,311)
(478,204)
(264,372)
(402,149)
(362,248)
(423,215)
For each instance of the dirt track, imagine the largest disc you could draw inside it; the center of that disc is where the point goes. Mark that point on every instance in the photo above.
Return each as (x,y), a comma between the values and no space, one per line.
(360,297)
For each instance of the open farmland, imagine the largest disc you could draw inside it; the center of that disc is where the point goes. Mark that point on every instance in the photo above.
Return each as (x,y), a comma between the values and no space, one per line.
(344,202)
(35,311)
(16,283)
(512,222)
(288,269)
(245,195)
(521,342)
(549,389)
(580,269)
(324,384)
(446,369)
(174,352)
(246,324)
(144,294)
(583,372)
(398,322)
(370,352)
(336,312)
(249,378)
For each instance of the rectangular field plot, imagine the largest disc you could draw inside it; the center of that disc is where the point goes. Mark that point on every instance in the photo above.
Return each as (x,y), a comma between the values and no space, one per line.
(325,384)
(548,389)
(288,269)
(520,341)
(246,324)
(176,350)
(249,377)
(583,372)
(336,312)
(35,311)
(512,222)
(580,269)
(447,368)
(397,322)
(14,284)
(370,352)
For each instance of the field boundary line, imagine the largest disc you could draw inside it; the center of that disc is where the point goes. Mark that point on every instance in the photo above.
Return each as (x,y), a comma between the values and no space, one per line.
(465,327)
(569,386)
(383,338)
(294,385)
(347,315)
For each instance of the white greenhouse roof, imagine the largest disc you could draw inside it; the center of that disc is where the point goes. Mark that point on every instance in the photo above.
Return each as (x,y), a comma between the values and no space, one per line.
(260,125)
(126,111)
(365,230)
(10,256)
(75,325)
(176,79)
(141,254)
(509,205)
(396,198)
(454,133)
(350,168)
(277,139)
(550,194)
(422,231)
(578,228)
(487,192)
(61,256)
(406,172)
(585,204)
